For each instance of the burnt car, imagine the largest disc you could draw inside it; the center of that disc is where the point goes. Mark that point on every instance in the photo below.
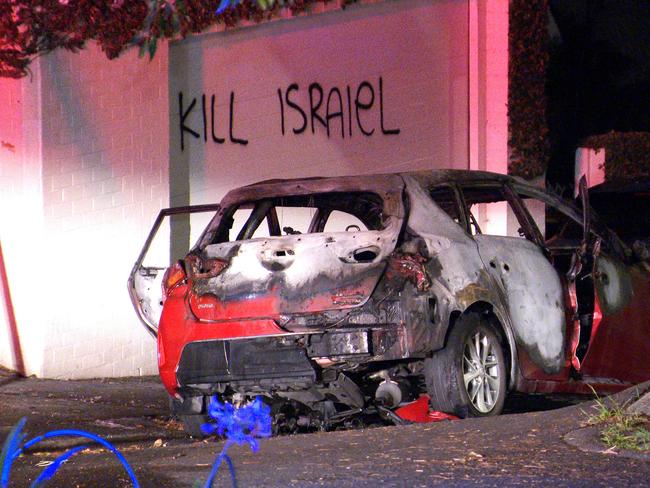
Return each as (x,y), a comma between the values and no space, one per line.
(333,297)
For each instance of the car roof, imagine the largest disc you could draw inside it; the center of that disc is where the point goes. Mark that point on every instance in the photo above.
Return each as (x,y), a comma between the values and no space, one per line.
(380,182)
(388,185)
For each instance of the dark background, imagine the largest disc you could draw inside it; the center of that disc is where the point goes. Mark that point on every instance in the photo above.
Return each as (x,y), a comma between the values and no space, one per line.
(598,75)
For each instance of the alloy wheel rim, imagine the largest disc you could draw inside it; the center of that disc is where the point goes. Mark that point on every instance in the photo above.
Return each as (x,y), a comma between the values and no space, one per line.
(481,371)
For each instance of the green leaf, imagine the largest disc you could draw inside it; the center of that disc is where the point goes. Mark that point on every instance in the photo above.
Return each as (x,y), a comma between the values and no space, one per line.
(153,45)
(143,48)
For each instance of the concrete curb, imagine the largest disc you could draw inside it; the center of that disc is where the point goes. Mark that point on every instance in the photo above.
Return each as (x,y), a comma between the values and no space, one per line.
(588,438)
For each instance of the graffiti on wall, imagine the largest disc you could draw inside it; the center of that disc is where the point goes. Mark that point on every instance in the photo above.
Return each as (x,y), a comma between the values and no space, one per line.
(208,116)
(337,112)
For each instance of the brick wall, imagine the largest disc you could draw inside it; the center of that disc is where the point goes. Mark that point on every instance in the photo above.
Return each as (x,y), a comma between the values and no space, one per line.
(105,161)
(21,215)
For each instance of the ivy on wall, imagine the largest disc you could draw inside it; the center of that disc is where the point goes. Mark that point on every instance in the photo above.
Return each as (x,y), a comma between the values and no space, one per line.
(29,28)
(627,154)
(528,43)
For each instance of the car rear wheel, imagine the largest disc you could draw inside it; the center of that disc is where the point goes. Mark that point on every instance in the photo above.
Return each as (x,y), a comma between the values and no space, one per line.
(468,377)
(192,416)
(192,424)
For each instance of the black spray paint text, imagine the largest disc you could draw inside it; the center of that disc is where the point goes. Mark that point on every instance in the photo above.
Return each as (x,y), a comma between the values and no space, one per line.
(354,109)
(184,113)
(336,111)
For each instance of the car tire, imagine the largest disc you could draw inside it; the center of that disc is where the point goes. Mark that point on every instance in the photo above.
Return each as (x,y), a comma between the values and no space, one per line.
(192,424)
(468,377)
(192,421)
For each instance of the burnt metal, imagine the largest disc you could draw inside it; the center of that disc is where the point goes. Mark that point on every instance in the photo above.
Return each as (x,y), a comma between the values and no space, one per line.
(410,267)
(340,344)
(357,306)
(140,302)
(347,391)
(188,405)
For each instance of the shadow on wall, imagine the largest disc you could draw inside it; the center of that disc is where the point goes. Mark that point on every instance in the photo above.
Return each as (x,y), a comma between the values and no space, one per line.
(185,71)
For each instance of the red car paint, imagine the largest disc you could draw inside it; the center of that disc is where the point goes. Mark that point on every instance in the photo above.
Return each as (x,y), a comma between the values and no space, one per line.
(172,338)
(411,267)
(619,349)
(418,411)
(272,302)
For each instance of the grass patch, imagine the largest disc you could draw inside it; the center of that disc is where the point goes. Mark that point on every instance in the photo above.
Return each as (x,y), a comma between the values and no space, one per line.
(620,429)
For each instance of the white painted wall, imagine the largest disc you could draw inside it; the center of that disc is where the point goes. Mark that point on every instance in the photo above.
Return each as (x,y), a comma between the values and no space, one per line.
(417,47)
(488,105)
(96,150)
(21,217)
(105,161)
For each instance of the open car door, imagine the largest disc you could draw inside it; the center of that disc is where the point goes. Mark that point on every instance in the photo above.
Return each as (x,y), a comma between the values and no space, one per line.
(614,339)
(168,241)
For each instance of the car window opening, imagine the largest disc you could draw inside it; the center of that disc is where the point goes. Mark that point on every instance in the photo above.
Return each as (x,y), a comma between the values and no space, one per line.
(445,198)
(302,214)
(490,212)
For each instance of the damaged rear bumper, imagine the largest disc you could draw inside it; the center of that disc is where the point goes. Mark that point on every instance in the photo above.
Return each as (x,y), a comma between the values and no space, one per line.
(283,363)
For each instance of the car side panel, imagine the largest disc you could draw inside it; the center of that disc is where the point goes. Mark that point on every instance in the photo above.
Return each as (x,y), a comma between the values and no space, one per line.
(459,278)
(534,296)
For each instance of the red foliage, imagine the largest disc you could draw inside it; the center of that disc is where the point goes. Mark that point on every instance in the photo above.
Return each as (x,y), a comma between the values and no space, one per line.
(29,28)
(32,27)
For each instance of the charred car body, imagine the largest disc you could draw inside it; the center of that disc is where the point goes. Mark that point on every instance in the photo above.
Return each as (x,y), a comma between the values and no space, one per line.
(335,296)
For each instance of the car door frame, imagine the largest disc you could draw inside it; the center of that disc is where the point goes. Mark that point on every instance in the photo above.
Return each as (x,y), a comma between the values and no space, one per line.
(609,263)
(137,300)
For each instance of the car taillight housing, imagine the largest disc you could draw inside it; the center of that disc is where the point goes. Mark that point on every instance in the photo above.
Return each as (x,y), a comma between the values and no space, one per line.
(174,275)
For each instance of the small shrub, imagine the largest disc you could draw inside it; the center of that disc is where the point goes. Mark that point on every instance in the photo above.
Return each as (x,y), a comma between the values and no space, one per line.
(620,429)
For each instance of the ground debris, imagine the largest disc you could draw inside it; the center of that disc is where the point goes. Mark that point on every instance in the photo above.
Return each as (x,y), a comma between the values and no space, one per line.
(112,425)
(470,456)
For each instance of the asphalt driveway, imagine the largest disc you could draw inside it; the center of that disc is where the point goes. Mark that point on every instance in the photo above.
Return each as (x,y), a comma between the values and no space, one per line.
(510,450)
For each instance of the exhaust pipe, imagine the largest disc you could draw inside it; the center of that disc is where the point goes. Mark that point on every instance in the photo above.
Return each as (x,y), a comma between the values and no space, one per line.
(389,394)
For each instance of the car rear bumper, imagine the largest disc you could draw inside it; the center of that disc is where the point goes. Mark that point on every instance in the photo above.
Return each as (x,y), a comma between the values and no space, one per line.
(275,363)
